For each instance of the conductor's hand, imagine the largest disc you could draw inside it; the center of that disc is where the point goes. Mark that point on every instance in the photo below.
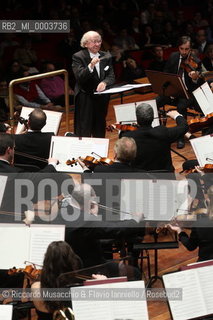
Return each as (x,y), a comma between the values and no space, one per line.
(101,87)
(93,62)
(173,114)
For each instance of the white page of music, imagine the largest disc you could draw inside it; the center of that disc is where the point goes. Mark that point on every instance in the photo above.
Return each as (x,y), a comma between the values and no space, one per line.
(3,181)
(67,148)
(158,200)
(111,309)
(6,312)
(205,275)
(126,113)
(196,300)
(203,149)
(52,124)
(41,236)
(204,97)
(15,245)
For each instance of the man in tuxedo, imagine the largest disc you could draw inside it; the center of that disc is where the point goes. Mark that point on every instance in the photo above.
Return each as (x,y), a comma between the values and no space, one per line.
(34,142)
(94,73)
(88,226)
(153,144)
(46,184)
(191,80)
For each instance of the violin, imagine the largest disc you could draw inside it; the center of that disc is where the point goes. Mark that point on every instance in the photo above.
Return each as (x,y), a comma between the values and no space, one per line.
(122,127)
(30,271)
(21,120)
(189,64)
(198,124)
(91,162)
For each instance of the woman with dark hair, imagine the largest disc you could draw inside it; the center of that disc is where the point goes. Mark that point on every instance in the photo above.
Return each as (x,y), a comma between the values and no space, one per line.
(59,258)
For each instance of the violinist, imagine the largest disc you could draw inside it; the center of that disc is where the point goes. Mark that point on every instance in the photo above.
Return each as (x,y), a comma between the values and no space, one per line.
(59,258)
(201,235)
(124,153)
(34,142)
(184,63)
(89,226)
(153,144)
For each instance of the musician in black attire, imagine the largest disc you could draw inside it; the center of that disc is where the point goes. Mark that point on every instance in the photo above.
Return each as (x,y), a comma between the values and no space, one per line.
(192,80)
(153,144)
(201,235)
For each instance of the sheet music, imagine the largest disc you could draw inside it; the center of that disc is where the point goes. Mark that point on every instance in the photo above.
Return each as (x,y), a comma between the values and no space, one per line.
(127,112)
(205,274)
(204,97)
(197,299)
(158,200)
(123,88)
(3,181)
(203,149)
(67,148)
(192,304)
(14,245)
(111,309)
(6,311)
(20,243)
(53,120)
(40,237)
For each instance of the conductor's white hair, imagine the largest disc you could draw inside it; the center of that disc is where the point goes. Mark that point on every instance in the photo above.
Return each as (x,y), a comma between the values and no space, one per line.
(86,37)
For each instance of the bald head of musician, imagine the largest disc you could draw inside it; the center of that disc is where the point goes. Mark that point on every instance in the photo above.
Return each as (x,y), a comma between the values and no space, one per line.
(125,150)
(7,145)
(37,119)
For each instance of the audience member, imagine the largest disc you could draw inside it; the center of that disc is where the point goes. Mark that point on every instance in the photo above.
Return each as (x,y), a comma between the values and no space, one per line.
(53,87)
(29,94)
(158,63)
(207,61)
(201,40)
(132,70)
(26,55)
(3,100)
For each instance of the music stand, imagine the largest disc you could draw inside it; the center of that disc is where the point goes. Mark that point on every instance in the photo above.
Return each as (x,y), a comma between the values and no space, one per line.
(167,84)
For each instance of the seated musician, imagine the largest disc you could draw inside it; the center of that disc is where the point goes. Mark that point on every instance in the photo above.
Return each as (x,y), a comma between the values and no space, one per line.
(176,64)
(33,141)
(201,235)
(18,179)
(59,258)
(7,145)
(124,153)
(153,144)
(84,232)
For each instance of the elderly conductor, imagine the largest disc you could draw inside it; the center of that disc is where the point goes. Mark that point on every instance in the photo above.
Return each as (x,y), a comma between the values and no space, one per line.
(94,73)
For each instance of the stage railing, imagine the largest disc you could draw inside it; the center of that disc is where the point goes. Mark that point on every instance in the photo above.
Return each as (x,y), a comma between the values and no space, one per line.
(36,77)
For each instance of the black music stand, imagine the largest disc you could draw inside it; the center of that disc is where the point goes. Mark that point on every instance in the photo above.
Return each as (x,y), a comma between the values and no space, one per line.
(156,246)
(167,84)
